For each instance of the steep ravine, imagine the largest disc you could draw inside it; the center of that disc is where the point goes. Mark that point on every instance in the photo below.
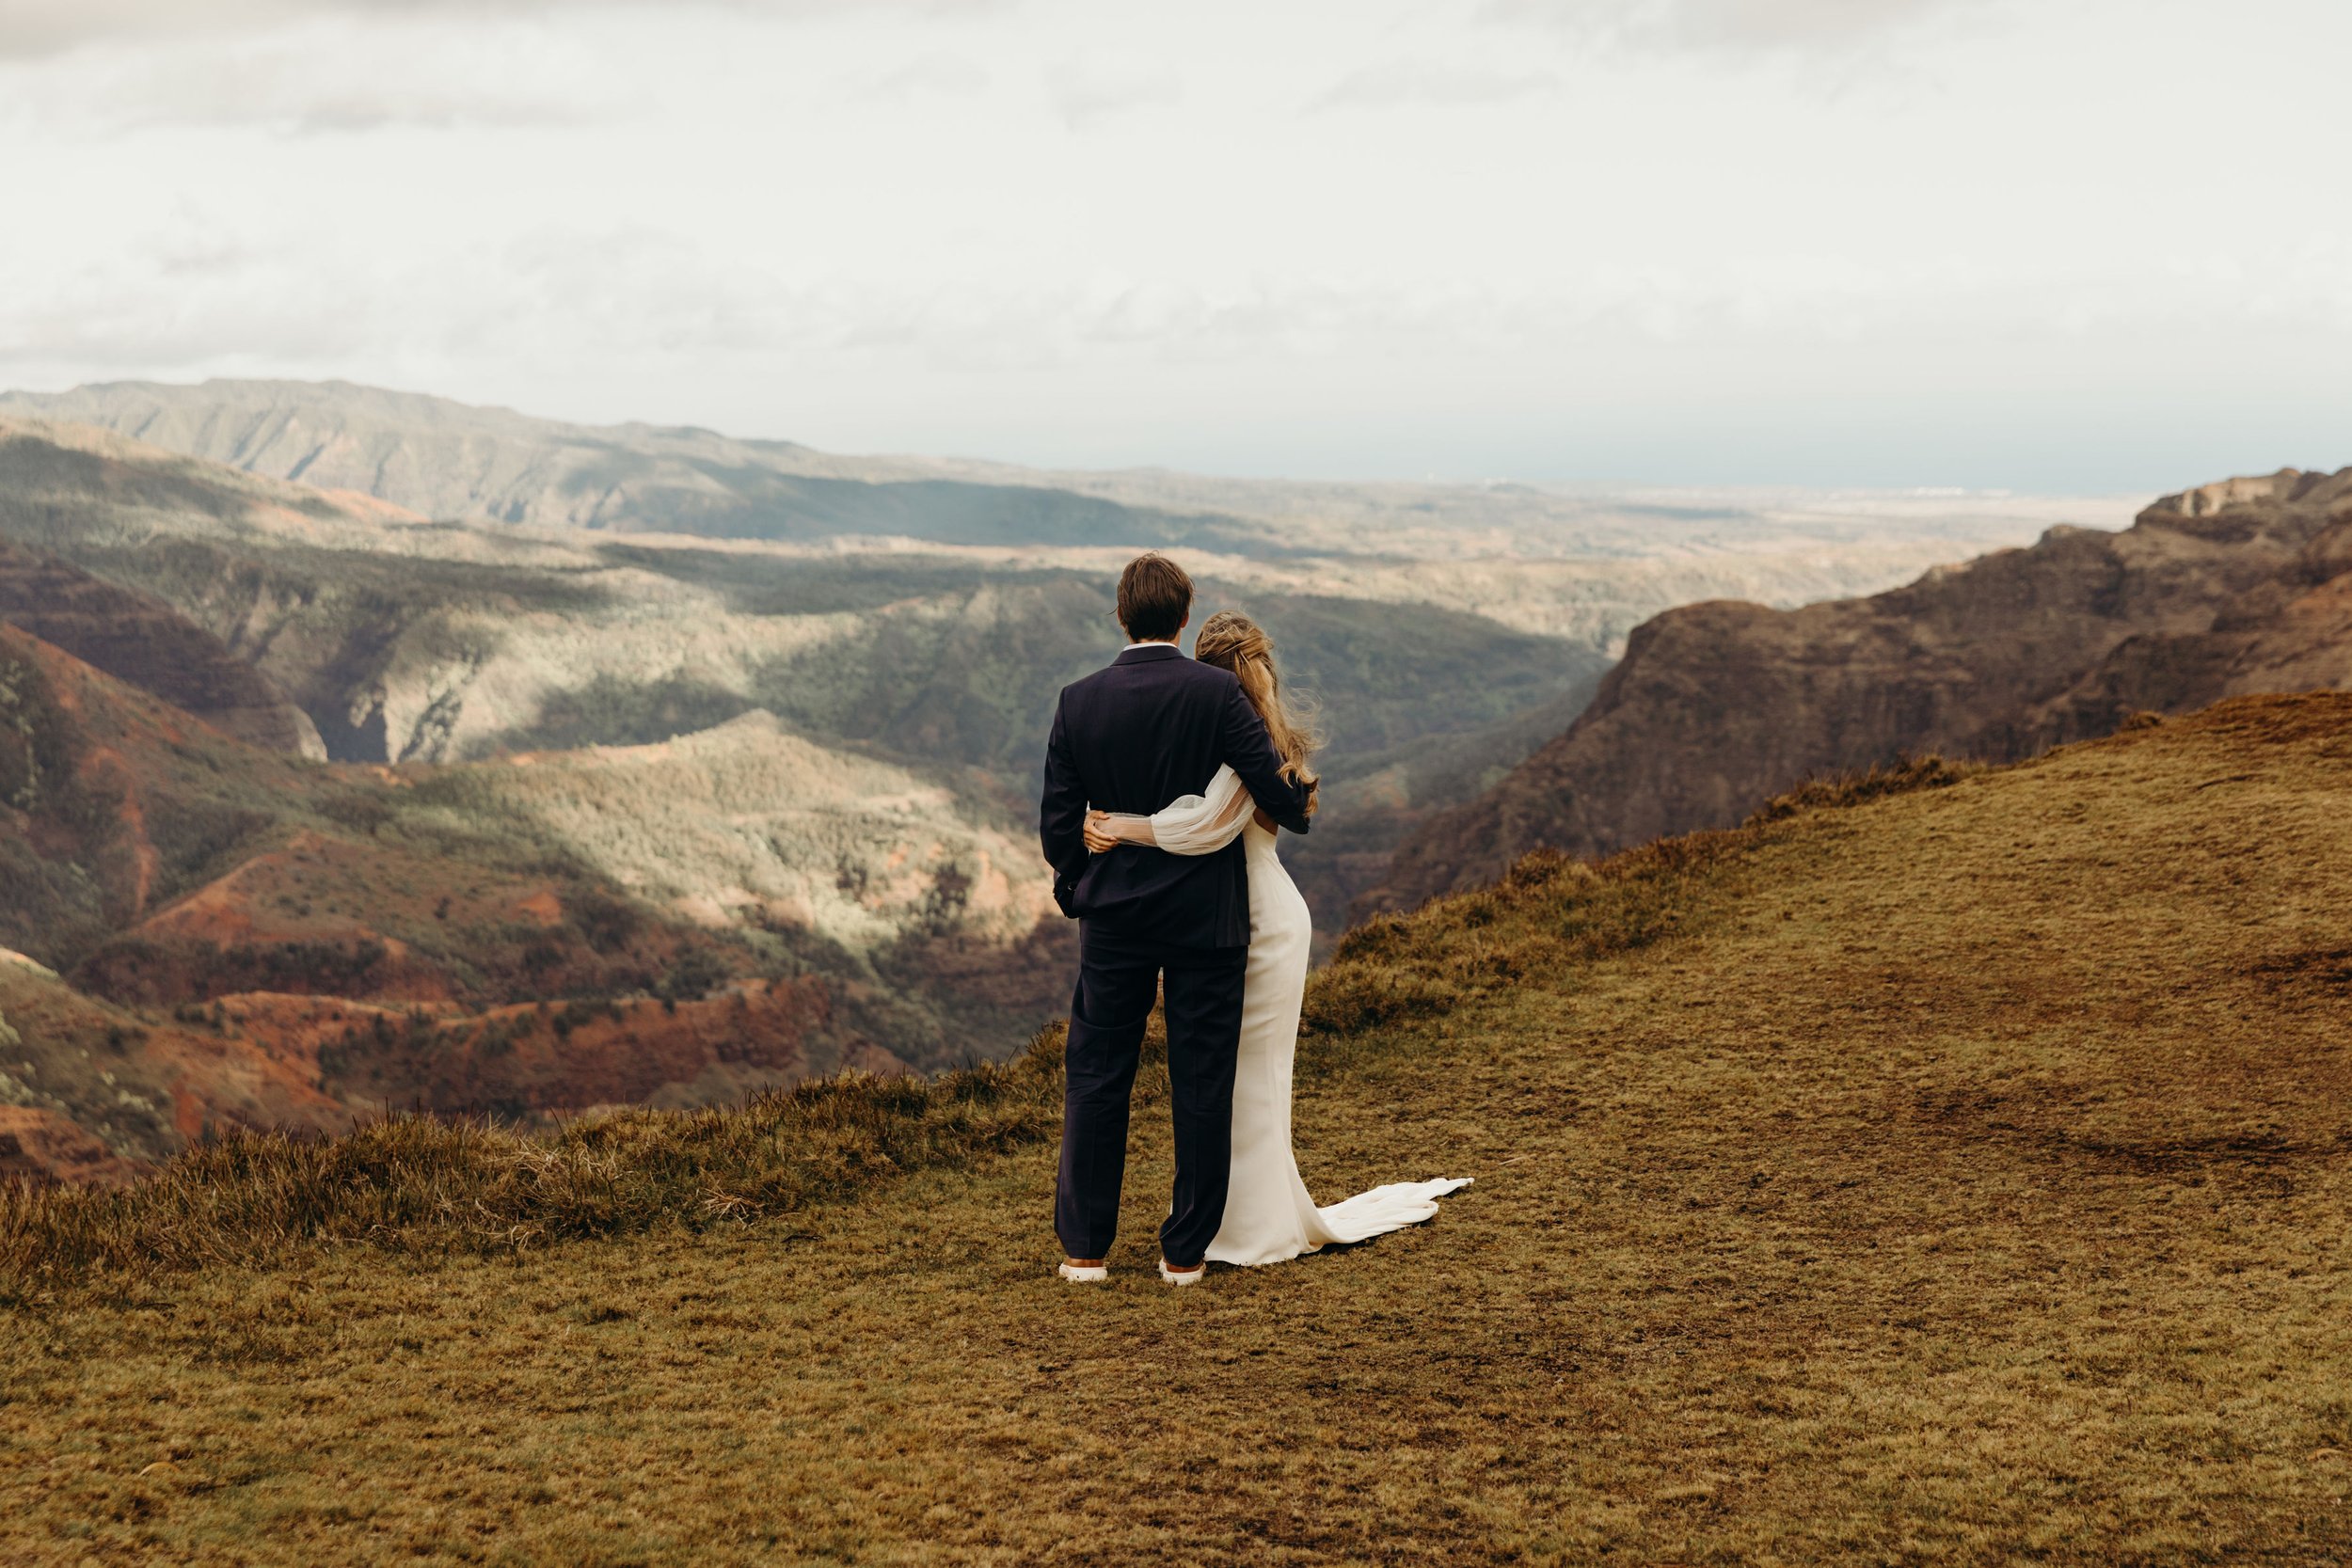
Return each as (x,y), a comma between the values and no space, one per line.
(2244,586)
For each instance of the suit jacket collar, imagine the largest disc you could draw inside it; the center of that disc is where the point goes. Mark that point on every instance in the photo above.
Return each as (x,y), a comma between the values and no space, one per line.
(1142,652)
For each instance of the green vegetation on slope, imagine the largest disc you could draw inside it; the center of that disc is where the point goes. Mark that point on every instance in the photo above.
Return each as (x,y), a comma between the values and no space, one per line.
(157,861)
(1960,1176)
(405,641)
(208,899)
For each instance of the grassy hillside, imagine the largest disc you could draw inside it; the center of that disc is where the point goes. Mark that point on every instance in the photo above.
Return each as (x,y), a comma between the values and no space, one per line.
(1953,1167)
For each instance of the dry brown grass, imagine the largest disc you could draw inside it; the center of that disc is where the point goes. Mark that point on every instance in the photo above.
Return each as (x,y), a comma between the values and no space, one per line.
(1960,1177)
(421,1184)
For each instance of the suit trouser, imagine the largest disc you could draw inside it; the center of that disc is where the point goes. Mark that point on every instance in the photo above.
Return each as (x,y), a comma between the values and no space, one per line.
(1118,978)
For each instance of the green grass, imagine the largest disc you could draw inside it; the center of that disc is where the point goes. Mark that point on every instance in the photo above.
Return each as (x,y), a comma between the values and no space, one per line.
(1958,1176)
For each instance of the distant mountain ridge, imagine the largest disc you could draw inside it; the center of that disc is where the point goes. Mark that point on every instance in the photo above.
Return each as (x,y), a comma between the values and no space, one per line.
(2240,587)
(1559,561)
(447,460)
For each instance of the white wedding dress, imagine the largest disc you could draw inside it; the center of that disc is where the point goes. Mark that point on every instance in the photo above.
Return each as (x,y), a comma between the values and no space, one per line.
(1269,1217)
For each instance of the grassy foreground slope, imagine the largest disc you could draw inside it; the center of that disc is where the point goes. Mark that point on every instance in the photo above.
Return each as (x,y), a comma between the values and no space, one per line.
(1957,1175)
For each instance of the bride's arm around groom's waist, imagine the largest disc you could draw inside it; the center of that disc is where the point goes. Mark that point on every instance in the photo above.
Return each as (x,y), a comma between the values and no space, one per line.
(1189,825)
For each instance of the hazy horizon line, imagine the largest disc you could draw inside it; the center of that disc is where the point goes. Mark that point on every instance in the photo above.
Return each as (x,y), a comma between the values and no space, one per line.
(1622,486)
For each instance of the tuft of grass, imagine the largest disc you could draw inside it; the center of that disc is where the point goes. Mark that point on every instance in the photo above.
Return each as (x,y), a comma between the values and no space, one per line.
(1902,776)
(1550,913)
(424,1183)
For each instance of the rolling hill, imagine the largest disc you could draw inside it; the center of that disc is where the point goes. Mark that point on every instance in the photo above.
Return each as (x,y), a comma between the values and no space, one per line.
(94,1091)
(1949,1166)
(157,861)
(262,939)
(817,764)
(2237,587)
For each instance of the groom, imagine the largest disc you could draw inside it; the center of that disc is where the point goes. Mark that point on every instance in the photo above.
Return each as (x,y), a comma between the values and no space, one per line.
(1151,728)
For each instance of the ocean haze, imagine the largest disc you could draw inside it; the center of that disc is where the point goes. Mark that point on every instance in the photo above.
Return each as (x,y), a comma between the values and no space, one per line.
(1383,540)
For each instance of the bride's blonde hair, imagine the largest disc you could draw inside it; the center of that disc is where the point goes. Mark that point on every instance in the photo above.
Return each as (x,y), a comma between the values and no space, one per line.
(1232,640)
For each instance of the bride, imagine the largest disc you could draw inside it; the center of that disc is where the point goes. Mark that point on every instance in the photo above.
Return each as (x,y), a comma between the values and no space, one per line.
(1269,1217)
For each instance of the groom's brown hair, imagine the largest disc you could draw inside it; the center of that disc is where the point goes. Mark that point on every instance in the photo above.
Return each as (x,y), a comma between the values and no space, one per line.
(1154,599)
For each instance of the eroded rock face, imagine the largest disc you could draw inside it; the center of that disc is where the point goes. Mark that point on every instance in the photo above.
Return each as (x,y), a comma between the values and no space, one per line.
(2239,587)
(42,1146)
(137,1086)
(143,641)
(524,1059)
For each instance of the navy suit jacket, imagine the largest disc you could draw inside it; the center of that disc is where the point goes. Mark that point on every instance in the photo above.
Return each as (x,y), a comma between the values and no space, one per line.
(1152,727)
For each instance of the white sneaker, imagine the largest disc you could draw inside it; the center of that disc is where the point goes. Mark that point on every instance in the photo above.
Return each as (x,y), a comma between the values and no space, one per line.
(1085,1273)
(1193,1276)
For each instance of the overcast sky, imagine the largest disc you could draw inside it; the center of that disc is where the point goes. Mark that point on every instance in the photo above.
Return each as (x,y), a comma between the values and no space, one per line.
(2071,244)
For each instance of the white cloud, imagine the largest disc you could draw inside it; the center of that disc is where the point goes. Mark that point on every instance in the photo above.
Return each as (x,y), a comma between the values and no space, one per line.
(286,90)
(338,70)
(1400,82)
(1087,93)
(33,28)
(1738,25)
(937,73)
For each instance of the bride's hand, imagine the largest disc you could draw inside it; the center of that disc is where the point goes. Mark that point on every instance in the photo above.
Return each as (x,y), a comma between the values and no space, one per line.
(1098,834)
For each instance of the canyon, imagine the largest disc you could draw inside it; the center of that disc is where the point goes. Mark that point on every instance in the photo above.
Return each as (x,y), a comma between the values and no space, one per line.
(359,757)
(2243,586)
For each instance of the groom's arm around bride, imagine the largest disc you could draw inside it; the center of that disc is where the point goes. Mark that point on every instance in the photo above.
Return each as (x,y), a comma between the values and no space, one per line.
(1152,728)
